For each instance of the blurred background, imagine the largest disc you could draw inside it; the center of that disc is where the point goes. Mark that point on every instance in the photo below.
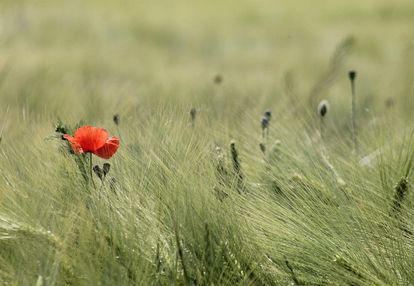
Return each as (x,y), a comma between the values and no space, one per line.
(87,59)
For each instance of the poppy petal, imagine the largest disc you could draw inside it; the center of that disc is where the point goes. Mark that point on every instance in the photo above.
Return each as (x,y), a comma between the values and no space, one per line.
(76,147)
(91,138)
(108,149)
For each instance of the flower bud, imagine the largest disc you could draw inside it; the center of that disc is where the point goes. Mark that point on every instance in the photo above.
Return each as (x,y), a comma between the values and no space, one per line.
(264,122)
(323,108)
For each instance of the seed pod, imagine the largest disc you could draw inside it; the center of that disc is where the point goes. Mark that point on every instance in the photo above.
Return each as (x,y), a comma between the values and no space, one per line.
(264,122)
(389,102)
(262,147)
(193,113)
(268,114)
(352,75)
(116,119)
(218,79)
(323,108)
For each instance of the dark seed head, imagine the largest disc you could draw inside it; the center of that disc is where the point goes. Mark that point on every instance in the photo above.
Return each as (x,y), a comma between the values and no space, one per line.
(389,102)
(218,79)
(264,122)
(193,113)
(352,75)
(105,168)
(116,119)
(323,108)
(268,114)
(262,147)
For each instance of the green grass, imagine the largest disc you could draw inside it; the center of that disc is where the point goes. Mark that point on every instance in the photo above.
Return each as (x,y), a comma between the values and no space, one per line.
(307,212)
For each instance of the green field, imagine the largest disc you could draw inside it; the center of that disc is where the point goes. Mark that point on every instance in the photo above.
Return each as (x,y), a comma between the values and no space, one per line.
(210,198)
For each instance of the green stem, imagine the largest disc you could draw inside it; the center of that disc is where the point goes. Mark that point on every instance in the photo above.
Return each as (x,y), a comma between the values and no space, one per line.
(91,169)
(354,127)
(321,126)
(119,132)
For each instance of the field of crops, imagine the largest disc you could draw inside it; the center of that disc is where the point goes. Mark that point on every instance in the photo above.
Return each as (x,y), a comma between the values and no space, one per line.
(256,142)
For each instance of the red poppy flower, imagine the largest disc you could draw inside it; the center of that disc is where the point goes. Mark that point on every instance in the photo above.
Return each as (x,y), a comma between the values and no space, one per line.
(93,140)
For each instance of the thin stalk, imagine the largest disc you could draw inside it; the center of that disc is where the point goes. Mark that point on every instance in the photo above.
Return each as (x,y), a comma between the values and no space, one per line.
(294,278)
(352,76)
(91,169)
(236,166)
(119,133)
(181,254)
(321,127)
(354,132)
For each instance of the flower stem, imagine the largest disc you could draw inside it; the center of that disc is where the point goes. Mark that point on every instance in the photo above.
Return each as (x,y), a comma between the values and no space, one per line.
(352,76)
(90,169)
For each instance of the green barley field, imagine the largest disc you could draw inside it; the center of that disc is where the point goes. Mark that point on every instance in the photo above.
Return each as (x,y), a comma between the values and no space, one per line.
(208,187)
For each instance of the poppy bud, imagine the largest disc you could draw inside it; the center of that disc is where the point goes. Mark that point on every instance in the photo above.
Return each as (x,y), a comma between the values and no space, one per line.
(352,75)
(262,147)
(116,119)
(264,122)
(105,168)
(323,108)
(268,114)
(389,102)
(218,79)
(193,113)
(98,171)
